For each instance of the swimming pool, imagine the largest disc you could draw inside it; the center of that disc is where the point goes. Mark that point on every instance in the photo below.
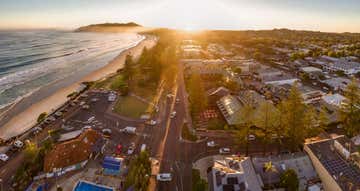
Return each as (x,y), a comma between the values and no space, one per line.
(87,186)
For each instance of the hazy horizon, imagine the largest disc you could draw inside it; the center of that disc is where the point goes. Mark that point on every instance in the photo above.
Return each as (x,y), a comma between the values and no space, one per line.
(320,15)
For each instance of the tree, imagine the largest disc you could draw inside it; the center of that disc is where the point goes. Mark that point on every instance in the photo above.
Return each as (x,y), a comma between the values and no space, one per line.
(350,110)
(197,93)
(128,67)
(247,120)
(41,117)
(295,118)
(266,121)
(289,180)
(31,151)
(323,119)
(310,121)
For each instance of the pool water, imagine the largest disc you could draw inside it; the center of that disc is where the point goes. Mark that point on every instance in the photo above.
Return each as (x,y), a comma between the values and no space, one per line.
(85,186)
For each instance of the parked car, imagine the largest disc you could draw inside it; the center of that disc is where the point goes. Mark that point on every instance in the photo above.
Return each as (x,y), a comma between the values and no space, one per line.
(164,177)
(210,144)
(224,150)
(143,148)
(131,148)
(18,144)
(173,114)
(107,132)
(4,157)
(251,137)
(151,122)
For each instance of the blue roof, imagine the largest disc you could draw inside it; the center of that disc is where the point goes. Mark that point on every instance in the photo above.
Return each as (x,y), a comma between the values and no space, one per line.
(112,163)
(85,186)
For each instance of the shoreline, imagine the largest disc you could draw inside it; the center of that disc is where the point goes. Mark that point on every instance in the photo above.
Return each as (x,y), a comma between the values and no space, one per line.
(20,122)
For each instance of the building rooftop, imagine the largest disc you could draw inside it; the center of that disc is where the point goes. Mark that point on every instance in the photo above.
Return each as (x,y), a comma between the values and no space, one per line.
(310,69)
(234,173)
(230,107)
(333,99)
(334,155)
(299,162)
(72,152)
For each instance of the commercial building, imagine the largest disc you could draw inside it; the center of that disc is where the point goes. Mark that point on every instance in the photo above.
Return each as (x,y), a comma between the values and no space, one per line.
(299,162)
(230,108)
(73,154)
(233,174)
(337,163)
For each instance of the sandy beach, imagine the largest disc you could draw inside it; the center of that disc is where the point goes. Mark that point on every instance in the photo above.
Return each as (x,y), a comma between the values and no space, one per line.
(24,120)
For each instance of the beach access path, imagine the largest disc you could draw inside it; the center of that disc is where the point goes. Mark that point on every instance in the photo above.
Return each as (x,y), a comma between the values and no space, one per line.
(23,121)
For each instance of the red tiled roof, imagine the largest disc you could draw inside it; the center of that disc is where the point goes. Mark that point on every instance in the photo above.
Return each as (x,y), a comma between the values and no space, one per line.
(71,152)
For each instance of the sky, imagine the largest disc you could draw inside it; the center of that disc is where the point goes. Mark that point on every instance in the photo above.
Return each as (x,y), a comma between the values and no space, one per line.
(317,15)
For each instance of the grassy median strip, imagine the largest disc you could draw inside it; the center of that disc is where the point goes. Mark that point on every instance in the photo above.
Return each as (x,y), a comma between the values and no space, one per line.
(186,133)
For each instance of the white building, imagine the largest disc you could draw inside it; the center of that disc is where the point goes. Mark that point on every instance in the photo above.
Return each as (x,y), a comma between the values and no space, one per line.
(234,173)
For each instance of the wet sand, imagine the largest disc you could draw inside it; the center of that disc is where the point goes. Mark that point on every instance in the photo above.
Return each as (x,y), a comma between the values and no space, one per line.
(23,115)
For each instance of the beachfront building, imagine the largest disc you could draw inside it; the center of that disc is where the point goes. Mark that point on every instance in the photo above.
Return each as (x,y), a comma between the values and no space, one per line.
(73,154)
(233,173)
(270,169)
(336,161)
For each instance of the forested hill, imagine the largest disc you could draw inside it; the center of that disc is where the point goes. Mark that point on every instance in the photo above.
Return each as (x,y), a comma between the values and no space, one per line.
(110,27)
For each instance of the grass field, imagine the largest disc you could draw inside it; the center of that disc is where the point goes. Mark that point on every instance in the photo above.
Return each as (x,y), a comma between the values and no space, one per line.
(130,107)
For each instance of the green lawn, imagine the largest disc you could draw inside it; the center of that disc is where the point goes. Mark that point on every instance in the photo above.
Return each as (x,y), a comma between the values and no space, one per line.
(130,107)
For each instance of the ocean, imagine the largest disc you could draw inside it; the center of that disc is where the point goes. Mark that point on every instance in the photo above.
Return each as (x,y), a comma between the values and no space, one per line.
(30,60)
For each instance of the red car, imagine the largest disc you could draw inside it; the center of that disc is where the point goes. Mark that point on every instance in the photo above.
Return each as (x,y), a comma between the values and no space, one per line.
(118,149)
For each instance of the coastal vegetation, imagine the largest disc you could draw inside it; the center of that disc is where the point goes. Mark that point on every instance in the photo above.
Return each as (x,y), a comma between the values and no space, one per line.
(350,110)
(41,117)
(139,172)
(198,184)
(289,180)
(33,163)
(291,120)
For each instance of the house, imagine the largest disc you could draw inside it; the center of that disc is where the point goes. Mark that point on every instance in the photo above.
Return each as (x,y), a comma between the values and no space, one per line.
(299,162)
(232,174)
(337,84)
(336,161)
(312,72)
(334,100)
(348,66)
(72,153)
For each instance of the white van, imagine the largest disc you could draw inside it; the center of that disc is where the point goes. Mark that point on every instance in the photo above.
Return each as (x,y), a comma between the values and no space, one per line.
(164,177)
(143,148)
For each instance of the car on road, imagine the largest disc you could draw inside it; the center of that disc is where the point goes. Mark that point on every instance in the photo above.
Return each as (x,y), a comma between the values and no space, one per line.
(177,100)
(251,137)
(164,177)
(169,95)
(224,150)
(106,132)
(211,144)
(143,148)
(151,122)
(173,114)
(4,157)
(131,148)
(129,130)
(18,144)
